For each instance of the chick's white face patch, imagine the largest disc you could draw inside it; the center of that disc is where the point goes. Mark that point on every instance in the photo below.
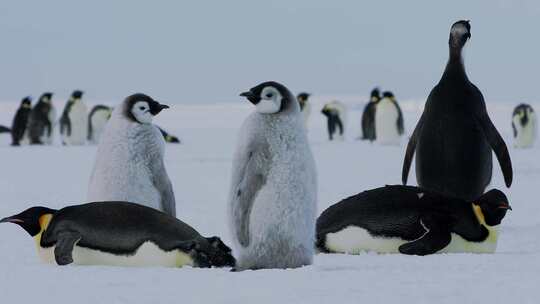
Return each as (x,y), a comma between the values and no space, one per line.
(270,101)
(141,112)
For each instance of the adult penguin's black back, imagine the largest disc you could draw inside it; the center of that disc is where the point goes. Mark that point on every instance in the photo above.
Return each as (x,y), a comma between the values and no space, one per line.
(368,116)
(454,137)
(20,121)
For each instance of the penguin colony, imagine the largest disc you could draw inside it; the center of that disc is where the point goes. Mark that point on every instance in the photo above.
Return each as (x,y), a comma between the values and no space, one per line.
(77,125)
(273,193)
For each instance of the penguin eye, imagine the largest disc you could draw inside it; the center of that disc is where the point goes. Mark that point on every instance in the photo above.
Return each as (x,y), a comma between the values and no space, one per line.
(142,108)
(269,95)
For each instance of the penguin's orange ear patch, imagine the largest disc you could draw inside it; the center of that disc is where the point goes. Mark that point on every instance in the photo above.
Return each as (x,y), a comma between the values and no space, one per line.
(44,221)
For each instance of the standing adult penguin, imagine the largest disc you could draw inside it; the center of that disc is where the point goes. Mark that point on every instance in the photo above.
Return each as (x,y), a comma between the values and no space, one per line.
(368,116)
(388,120)
(74,120)
(20,121)
(97,119)
(334,121)
(454,136)
(41,121)
(305,107)
(129,165)
(118,234)
(169,138)
(273,196)
(524,126)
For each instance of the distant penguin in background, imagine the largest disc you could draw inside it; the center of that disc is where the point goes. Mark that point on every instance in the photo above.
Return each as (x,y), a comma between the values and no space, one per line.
(273,194)
(334,121)
(41,121)
(305,107)
(129,164)
(169,138)
(411,221)
(97,119)
(20,121)
(368,116)
(74,121)
(454,137)
(118,234)
(524,126)
(388,120)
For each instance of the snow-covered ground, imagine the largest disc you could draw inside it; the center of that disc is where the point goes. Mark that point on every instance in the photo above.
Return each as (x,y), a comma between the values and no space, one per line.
(200,169)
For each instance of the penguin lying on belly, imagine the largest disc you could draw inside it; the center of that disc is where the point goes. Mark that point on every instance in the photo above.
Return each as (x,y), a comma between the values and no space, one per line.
(411,221)
(119,234)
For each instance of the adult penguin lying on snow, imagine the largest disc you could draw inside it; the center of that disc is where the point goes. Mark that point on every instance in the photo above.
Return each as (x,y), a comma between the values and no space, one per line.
(412,221)
(118,234)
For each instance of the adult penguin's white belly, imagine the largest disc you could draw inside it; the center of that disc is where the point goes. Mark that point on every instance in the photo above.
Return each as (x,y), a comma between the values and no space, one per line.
(386,116)
(78,117)
(355,240)
(147,255)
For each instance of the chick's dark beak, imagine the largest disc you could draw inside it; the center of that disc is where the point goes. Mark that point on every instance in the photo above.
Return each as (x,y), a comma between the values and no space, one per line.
(254,99)
(156,107)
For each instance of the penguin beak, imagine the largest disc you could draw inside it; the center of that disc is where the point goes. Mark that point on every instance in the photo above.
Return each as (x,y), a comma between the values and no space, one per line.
(156,107)
(504,206)
(11,219)
(251,97)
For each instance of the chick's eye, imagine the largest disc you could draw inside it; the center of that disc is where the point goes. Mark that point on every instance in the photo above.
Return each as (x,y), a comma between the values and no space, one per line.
(269,95)
(141,108)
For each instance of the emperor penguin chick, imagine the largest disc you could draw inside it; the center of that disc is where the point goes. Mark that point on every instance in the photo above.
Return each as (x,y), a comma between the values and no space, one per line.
(273,195)
(129,164)
(524,126)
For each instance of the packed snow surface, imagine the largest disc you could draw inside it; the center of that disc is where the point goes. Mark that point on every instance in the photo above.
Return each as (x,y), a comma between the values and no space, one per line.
(200,170)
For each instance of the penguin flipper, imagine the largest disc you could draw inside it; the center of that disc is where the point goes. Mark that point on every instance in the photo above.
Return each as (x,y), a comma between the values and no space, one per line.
(246,185)
(399,123)
(64,247)
(437,237)
(163,185)
(498,145)
(411,147)
(4,129)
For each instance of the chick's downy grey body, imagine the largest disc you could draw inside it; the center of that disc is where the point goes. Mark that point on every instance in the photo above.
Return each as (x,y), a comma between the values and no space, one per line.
(272,201)
(129,164)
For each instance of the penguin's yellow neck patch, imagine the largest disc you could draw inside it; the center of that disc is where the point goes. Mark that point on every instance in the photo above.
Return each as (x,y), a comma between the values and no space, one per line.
(493,230)
(44,221)
(479,214)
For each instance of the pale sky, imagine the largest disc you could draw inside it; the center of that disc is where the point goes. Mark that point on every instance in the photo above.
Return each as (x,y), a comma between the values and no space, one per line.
(209,51)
